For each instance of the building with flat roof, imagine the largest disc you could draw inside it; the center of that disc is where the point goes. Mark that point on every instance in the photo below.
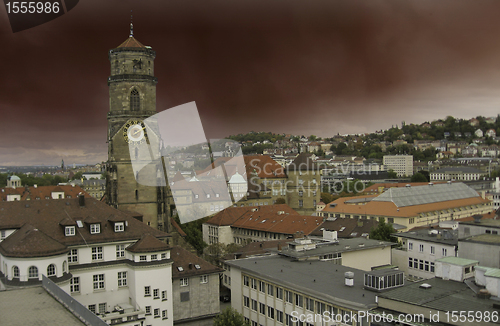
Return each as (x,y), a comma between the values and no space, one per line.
(277,290)
(461,173)
(401,164)
(421,248)
(411,206)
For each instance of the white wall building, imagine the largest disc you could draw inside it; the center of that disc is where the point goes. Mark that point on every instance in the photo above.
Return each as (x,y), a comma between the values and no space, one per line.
(401,164)
(108,261)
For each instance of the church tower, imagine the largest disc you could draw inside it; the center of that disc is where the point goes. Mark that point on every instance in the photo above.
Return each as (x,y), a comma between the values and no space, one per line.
(132,98)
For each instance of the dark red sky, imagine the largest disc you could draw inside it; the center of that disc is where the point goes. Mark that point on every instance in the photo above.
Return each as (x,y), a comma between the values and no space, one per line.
(300,67)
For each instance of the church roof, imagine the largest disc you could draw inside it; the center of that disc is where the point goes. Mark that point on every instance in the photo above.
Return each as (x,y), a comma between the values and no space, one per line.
(131,42)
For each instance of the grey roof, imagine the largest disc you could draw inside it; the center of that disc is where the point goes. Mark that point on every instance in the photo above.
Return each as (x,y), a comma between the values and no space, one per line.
(323,280)
(442,295)
(449,237)
(421,195)
(343,245)
(463,169)
(458,261)
(34,306)
(492,239)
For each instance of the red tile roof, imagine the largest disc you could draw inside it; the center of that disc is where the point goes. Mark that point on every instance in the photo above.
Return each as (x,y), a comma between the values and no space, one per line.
(30,242)
(148,243)
(131,42)
(42,192)
(231,214)
(188,261)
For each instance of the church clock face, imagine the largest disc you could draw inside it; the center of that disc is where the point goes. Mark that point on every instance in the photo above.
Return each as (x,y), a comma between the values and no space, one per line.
(135,132)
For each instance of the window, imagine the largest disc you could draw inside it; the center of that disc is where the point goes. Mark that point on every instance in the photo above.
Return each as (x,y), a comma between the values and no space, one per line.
(262,287)
(270,312)
(299,300)
(309,304)
(156,293)
(92,308)
(262,308)
(74,285)
(445,252)
(98,281)
(147,291)
(301,203)
(410,262)
(246,301)
(288,296)
(204,279)
(33,272)
(245,280)
(163,256)
(421,248)
(433,250)
(164,314)
(95,228)
(410,245)
(154,257)
(120,251)
(15,271)
(122,279)
(157,313)
(432,267)
(270,289)
(163,295)
(301,193)
(73,256)
(279,293)
(51,270)
(184,281)
(135,100)
(279,316)
(97,253)
(68,231)
(102,308)
(254,304)
(254,283)
(148,310)
(119,227)
(142,257)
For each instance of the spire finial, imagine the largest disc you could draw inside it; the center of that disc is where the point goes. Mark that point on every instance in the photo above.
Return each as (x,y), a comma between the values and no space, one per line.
(131,25)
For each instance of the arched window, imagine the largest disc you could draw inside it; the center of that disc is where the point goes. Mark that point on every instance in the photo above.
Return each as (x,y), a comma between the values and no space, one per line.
(51,270)
(65,267)
(137,194)
(135,101)
(32,272)
(15,271)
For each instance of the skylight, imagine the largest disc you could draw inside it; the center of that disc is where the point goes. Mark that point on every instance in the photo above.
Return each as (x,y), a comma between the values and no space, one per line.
(180,269)
(197,266)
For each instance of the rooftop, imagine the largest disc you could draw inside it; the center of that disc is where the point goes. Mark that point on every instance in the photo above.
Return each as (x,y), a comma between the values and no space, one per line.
(432,193)
(442,295)
(190,264)
(443,236)
(484,238)
(321,279)
(34,306)
(457,261)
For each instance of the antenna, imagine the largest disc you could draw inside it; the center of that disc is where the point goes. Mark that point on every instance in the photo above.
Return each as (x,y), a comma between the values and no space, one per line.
(131,25)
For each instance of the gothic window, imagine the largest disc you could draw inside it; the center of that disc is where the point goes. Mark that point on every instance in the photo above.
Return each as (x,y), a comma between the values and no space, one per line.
(135,102)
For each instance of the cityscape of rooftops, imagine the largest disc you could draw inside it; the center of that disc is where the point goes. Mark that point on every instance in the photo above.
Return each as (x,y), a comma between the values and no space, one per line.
(250,163)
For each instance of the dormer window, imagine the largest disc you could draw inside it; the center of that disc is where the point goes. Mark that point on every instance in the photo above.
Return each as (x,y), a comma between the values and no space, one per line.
(69,231)
(217,195)
(196,196)
(208,195)
(119,227)
(95,228)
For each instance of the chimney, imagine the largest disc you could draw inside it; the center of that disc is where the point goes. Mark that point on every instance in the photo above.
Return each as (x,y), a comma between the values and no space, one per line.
(81,199)
(349,278)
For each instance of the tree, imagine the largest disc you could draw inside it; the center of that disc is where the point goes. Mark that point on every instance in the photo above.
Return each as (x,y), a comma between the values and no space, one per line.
(280,200)
(418,177)
(391,174)
(326,197)
(230,317)
(383,231)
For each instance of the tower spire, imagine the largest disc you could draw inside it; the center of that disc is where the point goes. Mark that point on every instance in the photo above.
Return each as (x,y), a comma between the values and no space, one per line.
(131,25)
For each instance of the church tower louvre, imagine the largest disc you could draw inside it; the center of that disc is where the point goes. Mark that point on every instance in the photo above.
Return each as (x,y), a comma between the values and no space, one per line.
(132,98)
